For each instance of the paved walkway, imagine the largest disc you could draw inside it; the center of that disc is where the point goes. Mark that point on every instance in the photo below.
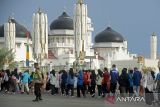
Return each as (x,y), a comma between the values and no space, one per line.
(19,100)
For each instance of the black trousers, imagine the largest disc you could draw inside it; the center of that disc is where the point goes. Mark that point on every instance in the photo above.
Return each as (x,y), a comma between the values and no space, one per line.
(113,87)
(149,98)
(158,88)
(13,85)
(80,89)
(99,87)
(131,91)
(104,89)
(123,91)
(93,89)
(37,90)
(87,88)
(6,85)
(56,90)
(63,87)
(52,87)
(70,87)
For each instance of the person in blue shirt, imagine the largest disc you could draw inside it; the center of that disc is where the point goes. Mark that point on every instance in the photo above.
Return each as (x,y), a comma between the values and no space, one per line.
(130,74)
(137,76)
(70,82)
(25,81)
(114,79)
(63,82)
(80,84)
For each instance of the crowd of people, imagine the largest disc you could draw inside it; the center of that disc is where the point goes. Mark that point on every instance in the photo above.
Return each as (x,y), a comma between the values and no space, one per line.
(100,83)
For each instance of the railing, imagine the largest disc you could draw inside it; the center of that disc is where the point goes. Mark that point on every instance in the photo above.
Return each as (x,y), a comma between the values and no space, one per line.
(60,45)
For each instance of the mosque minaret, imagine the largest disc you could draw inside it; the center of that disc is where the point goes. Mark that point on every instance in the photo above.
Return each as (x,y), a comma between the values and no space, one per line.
(82,31)
(153,44)
(9,34)
(40,35)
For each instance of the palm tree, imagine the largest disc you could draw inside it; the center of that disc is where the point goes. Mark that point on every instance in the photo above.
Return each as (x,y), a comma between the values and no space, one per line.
(6,57)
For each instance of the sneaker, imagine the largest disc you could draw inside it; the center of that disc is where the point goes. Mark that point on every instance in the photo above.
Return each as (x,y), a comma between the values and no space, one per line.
(36,100)
(6,91)
(40,99)
(93,95)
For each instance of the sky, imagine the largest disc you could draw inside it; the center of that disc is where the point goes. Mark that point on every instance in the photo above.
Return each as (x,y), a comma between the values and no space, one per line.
(136,20)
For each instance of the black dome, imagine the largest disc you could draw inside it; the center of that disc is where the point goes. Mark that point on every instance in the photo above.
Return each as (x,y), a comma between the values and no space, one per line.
(63,22)
(109,35)
(20,30)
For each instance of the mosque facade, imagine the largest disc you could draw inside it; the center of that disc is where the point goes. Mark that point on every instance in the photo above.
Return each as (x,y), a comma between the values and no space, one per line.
(68,40)
(13,36)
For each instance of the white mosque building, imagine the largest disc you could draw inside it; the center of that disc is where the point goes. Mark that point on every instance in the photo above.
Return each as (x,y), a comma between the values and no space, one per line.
(17,33)
(66,40)
(111,46)
(61,41)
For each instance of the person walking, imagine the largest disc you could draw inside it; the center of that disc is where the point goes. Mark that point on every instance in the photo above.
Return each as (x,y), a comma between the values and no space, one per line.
(86,81)
(93,83)
(99,82)
(63,81)
(70,82)
(37,78)
(149,86)
(6,80)
(57,84)
(137,76)
(52,80)
(80,87)
(105,82)
(157,81)
(123,81)
(25,82)
(1,80)
(114,79)
(113,84)
(130,74)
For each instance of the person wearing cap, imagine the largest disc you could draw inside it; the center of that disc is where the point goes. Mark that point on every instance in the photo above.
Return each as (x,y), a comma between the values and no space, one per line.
(37,78)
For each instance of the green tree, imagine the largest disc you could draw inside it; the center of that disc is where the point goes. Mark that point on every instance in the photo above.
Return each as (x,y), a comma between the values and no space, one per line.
(6,56)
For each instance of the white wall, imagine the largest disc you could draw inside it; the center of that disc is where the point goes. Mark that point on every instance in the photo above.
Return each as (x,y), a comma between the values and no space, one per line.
(20,51)
(126,64)
(151,63)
